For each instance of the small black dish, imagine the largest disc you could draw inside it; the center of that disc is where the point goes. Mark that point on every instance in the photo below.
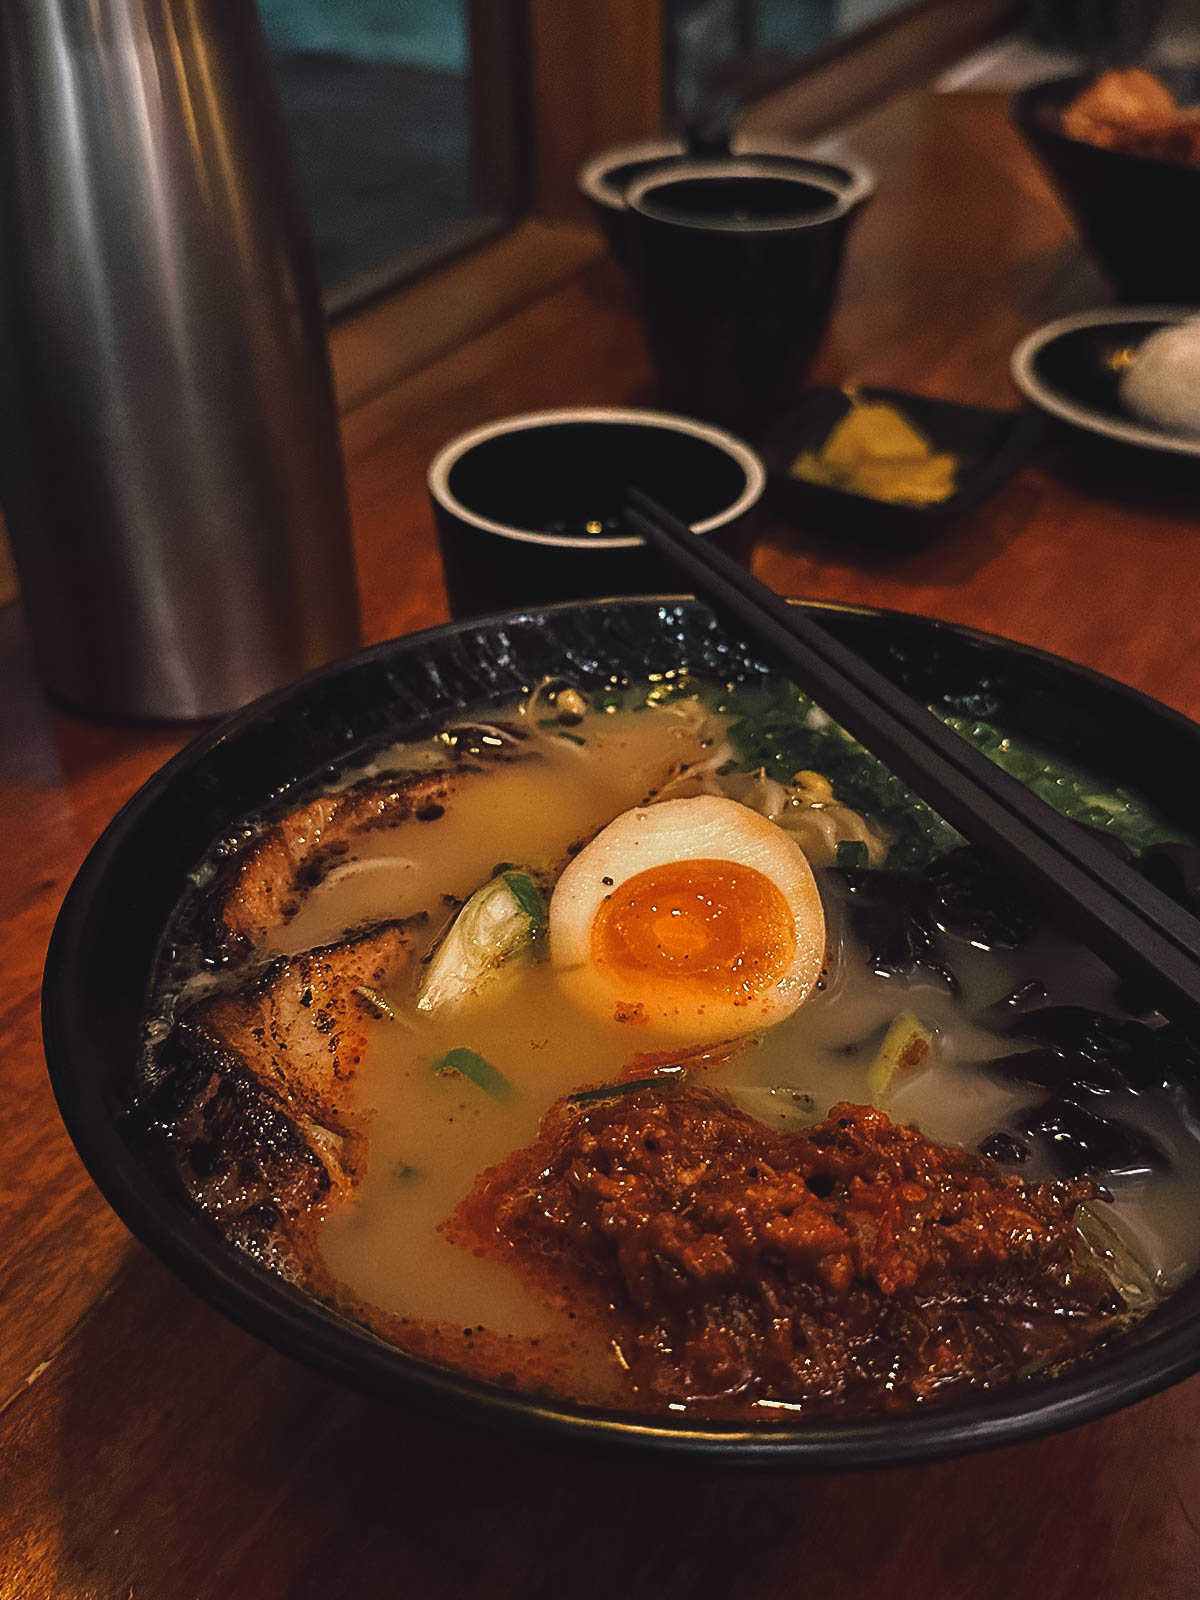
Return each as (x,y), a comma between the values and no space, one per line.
(1071,369)
(990,446)
(530,509)
(1138,216)
(104,947)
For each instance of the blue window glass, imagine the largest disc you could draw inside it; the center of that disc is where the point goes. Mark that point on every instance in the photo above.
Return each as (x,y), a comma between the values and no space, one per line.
(377,95)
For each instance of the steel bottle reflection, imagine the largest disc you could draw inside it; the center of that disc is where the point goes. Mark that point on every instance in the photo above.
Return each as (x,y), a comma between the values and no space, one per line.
(171,470)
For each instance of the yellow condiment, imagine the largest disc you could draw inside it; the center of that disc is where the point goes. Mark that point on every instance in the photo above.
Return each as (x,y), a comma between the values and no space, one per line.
(875,451)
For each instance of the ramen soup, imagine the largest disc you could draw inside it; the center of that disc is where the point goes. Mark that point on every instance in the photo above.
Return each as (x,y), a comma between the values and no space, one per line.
(655,1048)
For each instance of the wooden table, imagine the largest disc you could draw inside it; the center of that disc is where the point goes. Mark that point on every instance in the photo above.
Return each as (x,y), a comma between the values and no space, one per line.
(149,1449)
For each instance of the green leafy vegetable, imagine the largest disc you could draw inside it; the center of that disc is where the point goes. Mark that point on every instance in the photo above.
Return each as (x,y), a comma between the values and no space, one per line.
(481,1073)
(852,853)
(1073,793)
(499,923)
(780,729)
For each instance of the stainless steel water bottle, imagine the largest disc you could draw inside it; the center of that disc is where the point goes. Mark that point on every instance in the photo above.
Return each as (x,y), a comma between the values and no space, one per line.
(169,460)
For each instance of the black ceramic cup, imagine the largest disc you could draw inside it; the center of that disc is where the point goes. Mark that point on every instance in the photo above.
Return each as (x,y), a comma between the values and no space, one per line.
(605,178)
(737,265)
(529,509)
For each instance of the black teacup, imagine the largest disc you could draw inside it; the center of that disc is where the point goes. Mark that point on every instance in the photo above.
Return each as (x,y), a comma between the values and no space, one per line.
(737,264)
(605,179)
(530,509)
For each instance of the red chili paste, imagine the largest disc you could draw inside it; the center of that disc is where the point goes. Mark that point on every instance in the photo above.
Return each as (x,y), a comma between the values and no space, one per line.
(853,1267)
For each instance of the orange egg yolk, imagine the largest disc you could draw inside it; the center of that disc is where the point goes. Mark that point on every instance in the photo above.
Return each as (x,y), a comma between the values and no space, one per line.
(715,926)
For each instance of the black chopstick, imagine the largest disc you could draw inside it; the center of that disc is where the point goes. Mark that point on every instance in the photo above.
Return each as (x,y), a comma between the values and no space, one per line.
(1132,924)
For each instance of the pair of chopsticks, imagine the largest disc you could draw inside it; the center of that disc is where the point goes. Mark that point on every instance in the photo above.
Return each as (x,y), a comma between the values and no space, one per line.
(1133,925)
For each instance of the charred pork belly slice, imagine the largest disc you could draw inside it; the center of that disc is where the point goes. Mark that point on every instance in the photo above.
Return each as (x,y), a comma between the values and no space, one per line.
(261,887)
(252,1087)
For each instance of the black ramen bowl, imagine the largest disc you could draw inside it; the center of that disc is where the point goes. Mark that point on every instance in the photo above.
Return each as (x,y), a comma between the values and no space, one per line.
(104,944)
(530,509)
(990,447)
(1138,216)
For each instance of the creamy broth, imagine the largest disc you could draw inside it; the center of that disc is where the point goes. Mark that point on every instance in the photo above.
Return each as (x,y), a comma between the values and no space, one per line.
(432,1132)
(529,811)
(431,1136)
(387,1248)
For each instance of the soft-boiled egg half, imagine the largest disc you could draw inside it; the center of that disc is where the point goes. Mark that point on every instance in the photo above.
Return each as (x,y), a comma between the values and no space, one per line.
(699,917)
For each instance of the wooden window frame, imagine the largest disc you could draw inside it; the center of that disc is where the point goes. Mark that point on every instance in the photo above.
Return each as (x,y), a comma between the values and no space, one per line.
(913,42)
(596,80)
(893,54)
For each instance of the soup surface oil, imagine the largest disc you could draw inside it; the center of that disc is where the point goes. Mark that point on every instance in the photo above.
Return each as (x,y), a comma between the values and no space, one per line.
(432,1133)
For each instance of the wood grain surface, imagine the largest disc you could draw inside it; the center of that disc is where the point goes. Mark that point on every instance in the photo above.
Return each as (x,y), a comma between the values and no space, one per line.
(149,1450)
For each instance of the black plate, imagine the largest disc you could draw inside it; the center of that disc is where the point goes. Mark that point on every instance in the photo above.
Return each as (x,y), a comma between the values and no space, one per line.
(1139,216)
(990,446)
(1071,369)
(104,943)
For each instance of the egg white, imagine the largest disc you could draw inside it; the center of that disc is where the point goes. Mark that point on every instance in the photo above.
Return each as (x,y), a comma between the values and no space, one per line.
(706,827)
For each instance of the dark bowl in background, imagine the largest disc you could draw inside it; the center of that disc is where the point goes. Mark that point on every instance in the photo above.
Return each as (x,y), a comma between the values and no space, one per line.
(604,178)
(1138,216)
(106,937)
(513,501)
(990,445)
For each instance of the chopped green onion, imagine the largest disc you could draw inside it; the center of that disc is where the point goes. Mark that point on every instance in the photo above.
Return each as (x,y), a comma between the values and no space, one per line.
(480,1072)
(1111,1248)
(527,895)
(401,1172)
(780,1105)
(852,853)
(500,922)
(609,1091)
(905,1045)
